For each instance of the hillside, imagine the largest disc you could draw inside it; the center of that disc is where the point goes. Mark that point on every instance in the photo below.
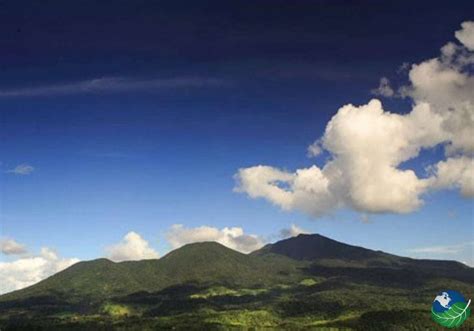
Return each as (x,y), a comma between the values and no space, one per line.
(308,280)
(199,263)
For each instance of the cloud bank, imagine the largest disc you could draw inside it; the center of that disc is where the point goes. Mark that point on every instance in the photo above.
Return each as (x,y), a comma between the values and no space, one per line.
(368,145)
(27,271)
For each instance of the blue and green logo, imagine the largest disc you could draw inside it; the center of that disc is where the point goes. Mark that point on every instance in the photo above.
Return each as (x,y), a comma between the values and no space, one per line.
(450,309)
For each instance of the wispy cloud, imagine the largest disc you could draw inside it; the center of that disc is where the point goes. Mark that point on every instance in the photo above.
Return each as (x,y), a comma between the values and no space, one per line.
(442,249)
(112,84)
(22,169)
(384,89)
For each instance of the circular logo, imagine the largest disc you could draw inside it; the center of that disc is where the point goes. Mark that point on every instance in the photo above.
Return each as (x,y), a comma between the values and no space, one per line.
(450,309)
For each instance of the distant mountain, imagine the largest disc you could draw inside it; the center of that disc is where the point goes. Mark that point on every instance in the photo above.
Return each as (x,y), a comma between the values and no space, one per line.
(313,247)
(207,284)
(323,251)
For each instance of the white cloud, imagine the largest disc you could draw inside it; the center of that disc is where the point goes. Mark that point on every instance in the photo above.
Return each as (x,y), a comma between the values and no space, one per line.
(112,84)
(368,144)
(22,169)
(314,149)
(362,174)
(466,35)
(455,173)
(262,182)
(11,247)
(384,89)
(447,89)
(27,271)
(132,247)
(234,237)
(292,231)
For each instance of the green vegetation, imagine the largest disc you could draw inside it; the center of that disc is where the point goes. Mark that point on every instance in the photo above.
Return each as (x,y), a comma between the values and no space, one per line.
(224,291)
(208,286)
(309,282)
(245,318)
(115,310)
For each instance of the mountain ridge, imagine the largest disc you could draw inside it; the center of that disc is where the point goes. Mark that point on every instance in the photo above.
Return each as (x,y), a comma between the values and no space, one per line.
(301,280)
(205,262)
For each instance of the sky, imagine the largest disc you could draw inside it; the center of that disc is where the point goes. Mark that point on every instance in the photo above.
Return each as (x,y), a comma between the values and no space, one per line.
(131,128)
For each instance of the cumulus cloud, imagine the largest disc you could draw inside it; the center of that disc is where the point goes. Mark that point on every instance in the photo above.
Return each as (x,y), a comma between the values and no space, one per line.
(292,231)
(11,247)
(446,85)
(22,169)
(27,271)
(262,182)
(368,145)
(112,84)
(455,173)
(132,247)
(234,237)
(384,89)
(362,173)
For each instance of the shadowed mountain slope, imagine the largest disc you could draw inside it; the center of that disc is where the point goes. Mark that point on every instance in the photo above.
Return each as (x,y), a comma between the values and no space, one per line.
(312,247)
(323,250)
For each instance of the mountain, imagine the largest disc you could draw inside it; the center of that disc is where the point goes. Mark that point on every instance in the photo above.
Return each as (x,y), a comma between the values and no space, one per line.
(325,251)
(198,263)
(314,247)
(308,280)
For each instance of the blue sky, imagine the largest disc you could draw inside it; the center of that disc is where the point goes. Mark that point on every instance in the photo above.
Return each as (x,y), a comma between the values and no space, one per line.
(138,117)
